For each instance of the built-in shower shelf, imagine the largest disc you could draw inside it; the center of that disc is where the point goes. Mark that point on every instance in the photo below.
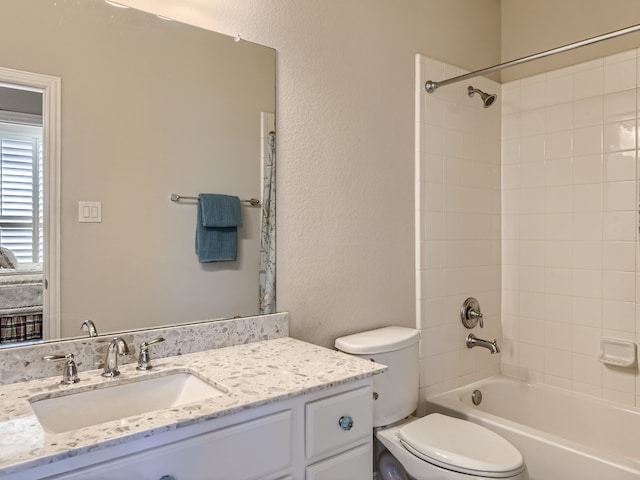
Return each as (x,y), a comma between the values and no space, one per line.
(619,353)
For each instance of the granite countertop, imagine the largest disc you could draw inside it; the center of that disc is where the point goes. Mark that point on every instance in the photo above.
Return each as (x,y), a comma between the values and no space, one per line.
(254,374)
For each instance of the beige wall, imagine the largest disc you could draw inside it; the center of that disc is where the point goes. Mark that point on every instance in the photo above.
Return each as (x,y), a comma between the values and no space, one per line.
(346,142)
(531,27)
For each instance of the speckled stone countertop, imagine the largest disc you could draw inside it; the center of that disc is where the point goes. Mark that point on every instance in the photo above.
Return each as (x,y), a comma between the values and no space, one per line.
(253,374)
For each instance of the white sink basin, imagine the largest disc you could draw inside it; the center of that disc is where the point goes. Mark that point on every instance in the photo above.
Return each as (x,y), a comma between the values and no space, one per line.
(114,402)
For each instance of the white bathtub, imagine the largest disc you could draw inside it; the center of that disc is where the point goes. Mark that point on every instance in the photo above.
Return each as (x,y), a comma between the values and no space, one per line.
(563,435)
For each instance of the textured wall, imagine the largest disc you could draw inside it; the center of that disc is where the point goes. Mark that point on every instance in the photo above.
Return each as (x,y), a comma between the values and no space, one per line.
(346,142)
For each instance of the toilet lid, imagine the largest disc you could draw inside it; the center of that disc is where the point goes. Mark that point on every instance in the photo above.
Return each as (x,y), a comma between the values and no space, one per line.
(460,446)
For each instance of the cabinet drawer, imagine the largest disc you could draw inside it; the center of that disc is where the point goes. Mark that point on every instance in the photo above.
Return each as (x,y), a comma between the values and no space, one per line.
(324,434)
(257,449)
(356,464)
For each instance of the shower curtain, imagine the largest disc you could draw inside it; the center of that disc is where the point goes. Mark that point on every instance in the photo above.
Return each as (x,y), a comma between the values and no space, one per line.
(267,290)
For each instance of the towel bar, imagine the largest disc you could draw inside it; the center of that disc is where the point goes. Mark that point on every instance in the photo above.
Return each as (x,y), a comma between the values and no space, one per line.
(254,202)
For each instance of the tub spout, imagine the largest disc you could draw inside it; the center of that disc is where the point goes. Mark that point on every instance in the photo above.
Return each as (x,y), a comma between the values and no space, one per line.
(473,341)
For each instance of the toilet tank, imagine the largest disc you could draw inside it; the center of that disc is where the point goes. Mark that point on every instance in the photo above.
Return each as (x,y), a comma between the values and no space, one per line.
(396,390)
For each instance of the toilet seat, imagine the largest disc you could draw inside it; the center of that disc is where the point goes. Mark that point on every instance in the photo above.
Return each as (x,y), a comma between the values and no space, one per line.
(461,446)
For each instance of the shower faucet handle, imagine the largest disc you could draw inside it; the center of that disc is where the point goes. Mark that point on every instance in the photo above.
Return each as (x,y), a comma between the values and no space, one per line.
(470,313)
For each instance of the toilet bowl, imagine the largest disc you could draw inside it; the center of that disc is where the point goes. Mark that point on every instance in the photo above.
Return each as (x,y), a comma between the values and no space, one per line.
(446,448)
(432,447)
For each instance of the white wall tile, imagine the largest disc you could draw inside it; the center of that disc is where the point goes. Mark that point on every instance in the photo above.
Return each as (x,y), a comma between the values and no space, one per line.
(620,196)
(620,106)
(587,169)
(587,255)
(620,226)
(619,136)
(532,122)
(587,226)
(558,144)
(558,227)
(588,112)
(559,89)
(620,166)
(558,309)
(619,256)
(587,283)
(588,82)
(619,316)
(587,312)
(558,281)
(587,198)
(620,286)
(620,75)
(559,117)
(587,140)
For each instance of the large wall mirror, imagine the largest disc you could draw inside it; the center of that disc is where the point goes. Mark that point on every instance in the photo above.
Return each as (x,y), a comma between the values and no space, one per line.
(149,107)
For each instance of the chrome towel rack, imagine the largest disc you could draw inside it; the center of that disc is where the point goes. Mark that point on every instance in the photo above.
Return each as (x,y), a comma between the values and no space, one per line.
(254,202)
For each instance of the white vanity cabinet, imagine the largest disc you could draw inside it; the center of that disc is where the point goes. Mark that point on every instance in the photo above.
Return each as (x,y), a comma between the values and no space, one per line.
(352,412)
(323,435)
(252,449)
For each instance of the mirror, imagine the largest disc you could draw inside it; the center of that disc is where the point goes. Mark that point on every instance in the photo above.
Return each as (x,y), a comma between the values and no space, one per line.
(149,107)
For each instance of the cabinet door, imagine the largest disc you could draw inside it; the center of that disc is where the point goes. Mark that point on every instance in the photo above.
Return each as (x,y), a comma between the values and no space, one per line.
(356,464)
(257,449)
(338,422)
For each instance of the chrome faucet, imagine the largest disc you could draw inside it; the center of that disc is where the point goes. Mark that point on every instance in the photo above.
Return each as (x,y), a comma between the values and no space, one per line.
(473,341)
(89,327)
(117,346)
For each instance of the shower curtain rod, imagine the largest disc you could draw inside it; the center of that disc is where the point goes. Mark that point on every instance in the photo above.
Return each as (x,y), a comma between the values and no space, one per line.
(431,85)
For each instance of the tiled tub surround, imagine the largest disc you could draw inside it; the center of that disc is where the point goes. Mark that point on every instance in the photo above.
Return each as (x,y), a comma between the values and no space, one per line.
(19,364)
(254,374)
(562,227)
(569,244)
(458,225)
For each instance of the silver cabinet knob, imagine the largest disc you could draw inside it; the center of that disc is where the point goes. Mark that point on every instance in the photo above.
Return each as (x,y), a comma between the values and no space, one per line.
(345,422)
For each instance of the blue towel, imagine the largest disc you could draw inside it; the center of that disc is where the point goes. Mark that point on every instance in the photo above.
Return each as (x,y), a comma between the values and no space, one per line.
(217,227)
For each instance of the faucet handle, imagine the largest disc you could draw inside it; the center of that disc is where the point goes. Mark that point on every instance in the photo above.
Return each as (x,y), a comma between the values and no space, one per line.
(475,314)
(144,359)
(470,313)
(70,372)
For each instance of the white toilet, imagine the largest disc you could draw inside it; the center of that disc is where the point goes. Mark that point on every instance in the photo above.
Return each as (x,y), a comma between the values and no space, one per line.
(432,447)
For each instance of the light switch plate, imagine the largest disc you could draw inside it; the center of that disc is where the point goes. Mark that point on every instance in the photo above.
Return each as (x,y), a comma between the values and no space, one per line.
(90,212)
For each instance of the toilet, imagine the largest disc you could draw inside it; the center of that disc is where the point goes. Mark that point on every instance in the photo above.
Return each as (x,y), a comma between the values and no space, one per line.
(432,447)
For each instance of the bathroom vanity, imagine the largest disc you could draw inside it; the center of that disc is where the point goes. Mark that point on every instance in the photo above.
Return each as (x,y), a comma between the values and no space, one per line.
(278,409)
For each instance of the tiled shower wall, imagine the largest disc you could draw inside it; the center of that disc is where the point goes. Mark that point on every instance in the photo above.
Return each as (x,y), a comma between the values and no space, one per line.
(569,241)
(457,226)
(561,227)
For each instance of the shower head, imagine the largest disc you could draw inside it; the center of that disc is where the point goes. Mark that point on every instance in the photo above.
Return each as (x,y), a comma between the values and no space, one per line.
(487,98)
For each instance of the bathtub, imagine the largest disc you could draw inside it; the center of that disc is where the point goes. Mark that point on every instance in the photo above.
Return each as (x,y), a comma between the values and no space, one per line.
(562,435)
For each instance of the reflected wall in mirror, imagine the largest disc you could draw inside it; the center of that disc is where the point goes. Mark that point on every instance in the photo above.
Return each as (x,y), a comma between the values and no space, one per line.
(149,107)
